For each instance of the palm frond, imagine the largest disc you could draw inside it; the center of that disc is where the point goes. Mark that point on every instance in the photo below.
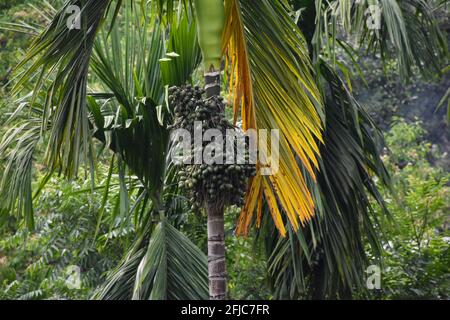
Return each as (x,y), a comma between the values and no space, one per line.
(135,125)
(119,282)
(408,31)
(327,259)
(272,76)
(17,148)
(173,268)
(169,267)
(183,51)
(65,52)
(414,32)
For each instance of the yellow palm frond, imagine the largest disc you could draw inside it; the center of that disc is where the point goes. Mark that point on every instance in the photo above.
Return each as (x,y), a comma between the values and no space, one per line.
(272,85)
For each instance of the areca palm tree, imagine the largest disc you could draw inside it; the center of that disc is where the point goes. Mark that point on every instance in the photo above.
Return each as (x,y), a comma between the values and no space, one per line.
(282,73)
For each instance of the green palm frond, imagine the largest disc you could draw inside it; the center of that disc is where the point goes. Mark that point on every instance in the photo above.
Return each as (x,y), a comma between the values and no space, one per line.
(173,268)
(135,123)
(129,123)
(183,51)
(65,52)
(129,117)
(169,267)
(408,31)
(17,148)
(327,259)
(415,36)
(120,281)
(126,57)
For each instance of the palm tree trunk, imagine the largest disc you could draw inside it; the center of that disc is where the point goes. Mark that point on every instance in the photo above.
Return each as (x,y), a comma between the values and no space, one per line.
(210,24)
(216,225)
(216,253)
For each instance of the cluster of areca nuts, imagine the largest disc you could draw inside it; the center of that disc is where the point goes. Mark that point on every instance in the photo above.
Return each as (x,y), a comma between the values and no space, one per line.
(218,184)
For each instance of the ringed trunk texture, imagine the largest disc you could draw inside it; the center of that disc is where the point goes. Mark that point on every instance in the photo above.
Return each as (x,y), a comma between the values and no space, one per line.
(216,253)
(216,226)
(212,83)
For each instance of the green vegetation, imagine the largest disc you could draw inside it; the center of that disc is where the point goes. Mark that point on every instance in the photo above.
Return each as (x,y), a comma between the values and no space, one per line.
(92,206)
(36,265)
(417,251)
